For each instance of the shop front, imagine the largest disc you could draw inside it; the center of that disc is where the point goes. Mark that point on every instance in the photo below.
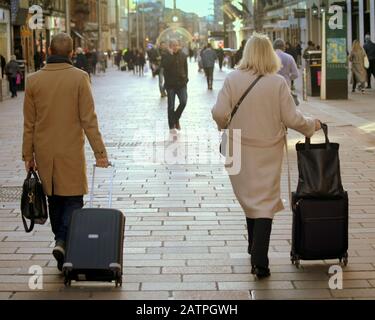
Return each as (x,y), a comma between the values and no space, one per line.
(5,48)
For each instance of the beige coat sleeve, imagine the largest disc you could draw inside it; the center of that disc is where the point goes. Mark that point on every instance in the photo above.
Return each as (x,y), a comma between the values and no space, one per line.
(293,118)
(29,114)
(89,119)
(222,110)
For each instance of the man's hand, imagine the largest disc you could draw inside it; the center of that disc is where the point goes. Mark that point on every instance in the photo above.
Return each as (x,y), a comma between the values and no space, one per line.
(30,165)
(318,125)
(102,163)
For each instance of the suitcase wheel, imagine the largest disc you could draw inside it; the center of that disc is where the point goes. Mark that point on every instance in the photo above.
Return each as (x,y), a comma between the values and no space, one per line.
(67,282)
(119,282)
(345,260)
(295,260)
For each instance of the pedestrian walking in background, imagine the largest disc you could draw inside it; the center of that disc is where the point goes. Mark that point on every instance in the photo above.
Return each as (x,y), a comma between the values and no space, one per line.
(153,55)
(263,117)
(289,69)
(58,113)
(118,59)
(289,49)
(200,62)
(94,61)
(191,52)
(175,68)
(133,61)
(159,70)
(82,61)
(140,62)
(220,56)
(12,70)
(310,47)
(102,60)
(359,73)
(299,54)
(38,60)
(2,65)
(370,51)
(208,61)
(239,53)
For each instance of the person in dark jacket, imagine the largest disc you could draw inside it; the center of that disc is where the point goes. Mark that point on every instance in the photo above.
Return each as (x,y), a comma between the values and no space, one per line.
(239,53)
(208,60)
(94,61)
(175,68)
(81,61)
(370,51)
(2,65)
(140,62)
(220,56)
(11,70)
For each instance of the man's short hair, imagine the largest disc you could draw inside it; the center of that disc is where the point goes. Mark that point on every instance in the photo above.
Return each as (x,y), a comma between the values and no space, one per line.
(279,44)
(62,44)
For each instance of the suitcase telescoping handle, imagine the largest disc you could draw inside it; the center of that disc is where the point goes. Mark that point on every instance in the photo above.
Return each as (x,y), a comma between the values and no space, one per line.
(112,166)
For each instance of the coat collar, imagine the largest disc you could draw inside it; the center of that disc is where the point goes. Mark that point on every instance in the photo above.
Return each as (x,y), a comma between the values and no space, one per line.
(57,66)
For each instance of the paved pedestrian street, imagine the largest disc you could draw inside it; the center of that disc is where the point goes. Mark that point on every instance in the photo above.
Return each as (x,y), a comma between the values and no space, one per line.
(185,232)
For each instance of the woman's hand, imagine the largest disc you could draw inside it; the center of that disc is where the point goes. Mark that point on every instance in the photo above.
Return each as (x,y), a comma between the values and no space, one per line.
(318,125)
(30,165)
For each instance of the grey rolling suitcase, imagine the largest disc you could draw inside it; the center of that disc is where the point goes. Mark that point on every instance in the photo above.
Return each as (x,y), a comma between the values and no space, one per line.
(94,249)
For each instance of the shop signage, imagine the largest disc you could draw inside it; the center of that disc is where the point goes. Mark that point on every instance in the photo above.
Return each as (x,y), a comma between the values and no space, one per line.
(299,13)
(335,56)
(336,46)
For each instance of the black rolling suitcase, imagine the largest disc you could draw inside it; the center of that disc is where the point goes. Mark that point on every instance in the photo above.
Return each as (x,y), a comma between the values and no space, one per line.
(320,206)
(320,229)
(94,249)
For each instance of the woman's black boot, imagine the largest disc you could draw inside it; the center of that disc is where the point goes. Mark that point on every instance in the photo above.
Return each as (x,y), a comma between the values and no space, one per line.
(250,233)
(260,246)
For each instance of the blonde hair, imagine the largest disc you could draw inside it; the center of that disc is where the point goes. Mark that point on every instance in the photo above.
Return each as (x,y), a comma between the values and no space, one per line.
(357,46)
(259,56)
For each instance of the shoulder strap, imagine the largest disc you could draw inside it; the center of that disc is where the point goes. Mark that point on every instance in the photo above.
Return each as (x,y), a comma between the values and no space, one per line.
(237,106)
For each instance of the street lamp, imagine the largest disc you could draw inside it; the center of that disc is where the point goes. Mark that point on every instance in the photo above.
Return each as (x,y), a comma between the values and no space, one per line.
(322,8)
(175,19)
(314,10)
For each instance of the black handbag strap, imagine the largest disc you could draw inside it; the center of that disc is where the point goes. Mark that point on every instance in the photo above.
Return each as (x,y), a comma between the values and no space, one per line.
(28,229)
(325,130)
(237,106)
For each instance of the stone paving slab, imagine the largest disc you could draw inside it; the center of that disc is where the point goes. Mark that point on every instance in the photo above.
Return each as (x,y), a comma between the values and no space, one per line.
(186,235)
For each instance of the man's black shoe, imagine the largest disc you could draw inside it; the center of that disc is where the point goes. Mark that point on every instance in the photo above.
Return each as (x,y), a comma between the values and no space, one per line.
(59,254)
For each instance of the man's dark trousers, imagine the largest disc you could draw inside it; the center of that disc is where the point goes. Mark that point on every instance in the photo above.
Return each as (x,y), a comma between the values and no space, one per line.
(13,86)
(210,76)
(60,212)
(174,116)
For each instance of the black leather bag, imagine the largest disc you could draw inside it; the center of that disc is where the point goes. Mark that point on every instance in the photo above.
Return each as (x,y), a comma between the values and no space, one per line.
(33,202)
(319,169)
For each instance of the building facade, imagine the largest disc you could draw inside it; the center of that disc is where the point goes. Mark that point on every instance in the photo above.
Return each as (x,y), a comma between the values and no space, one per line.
(5,44)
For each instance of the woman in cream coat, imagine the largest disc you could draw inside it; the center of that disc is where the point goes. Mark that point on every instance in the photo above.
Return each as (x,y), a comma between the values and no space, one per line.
(262,117)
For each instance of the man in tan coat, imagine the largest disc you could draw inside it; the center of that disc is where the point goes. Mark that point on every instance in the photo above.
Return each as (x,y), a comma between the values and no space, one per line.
(58,113)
